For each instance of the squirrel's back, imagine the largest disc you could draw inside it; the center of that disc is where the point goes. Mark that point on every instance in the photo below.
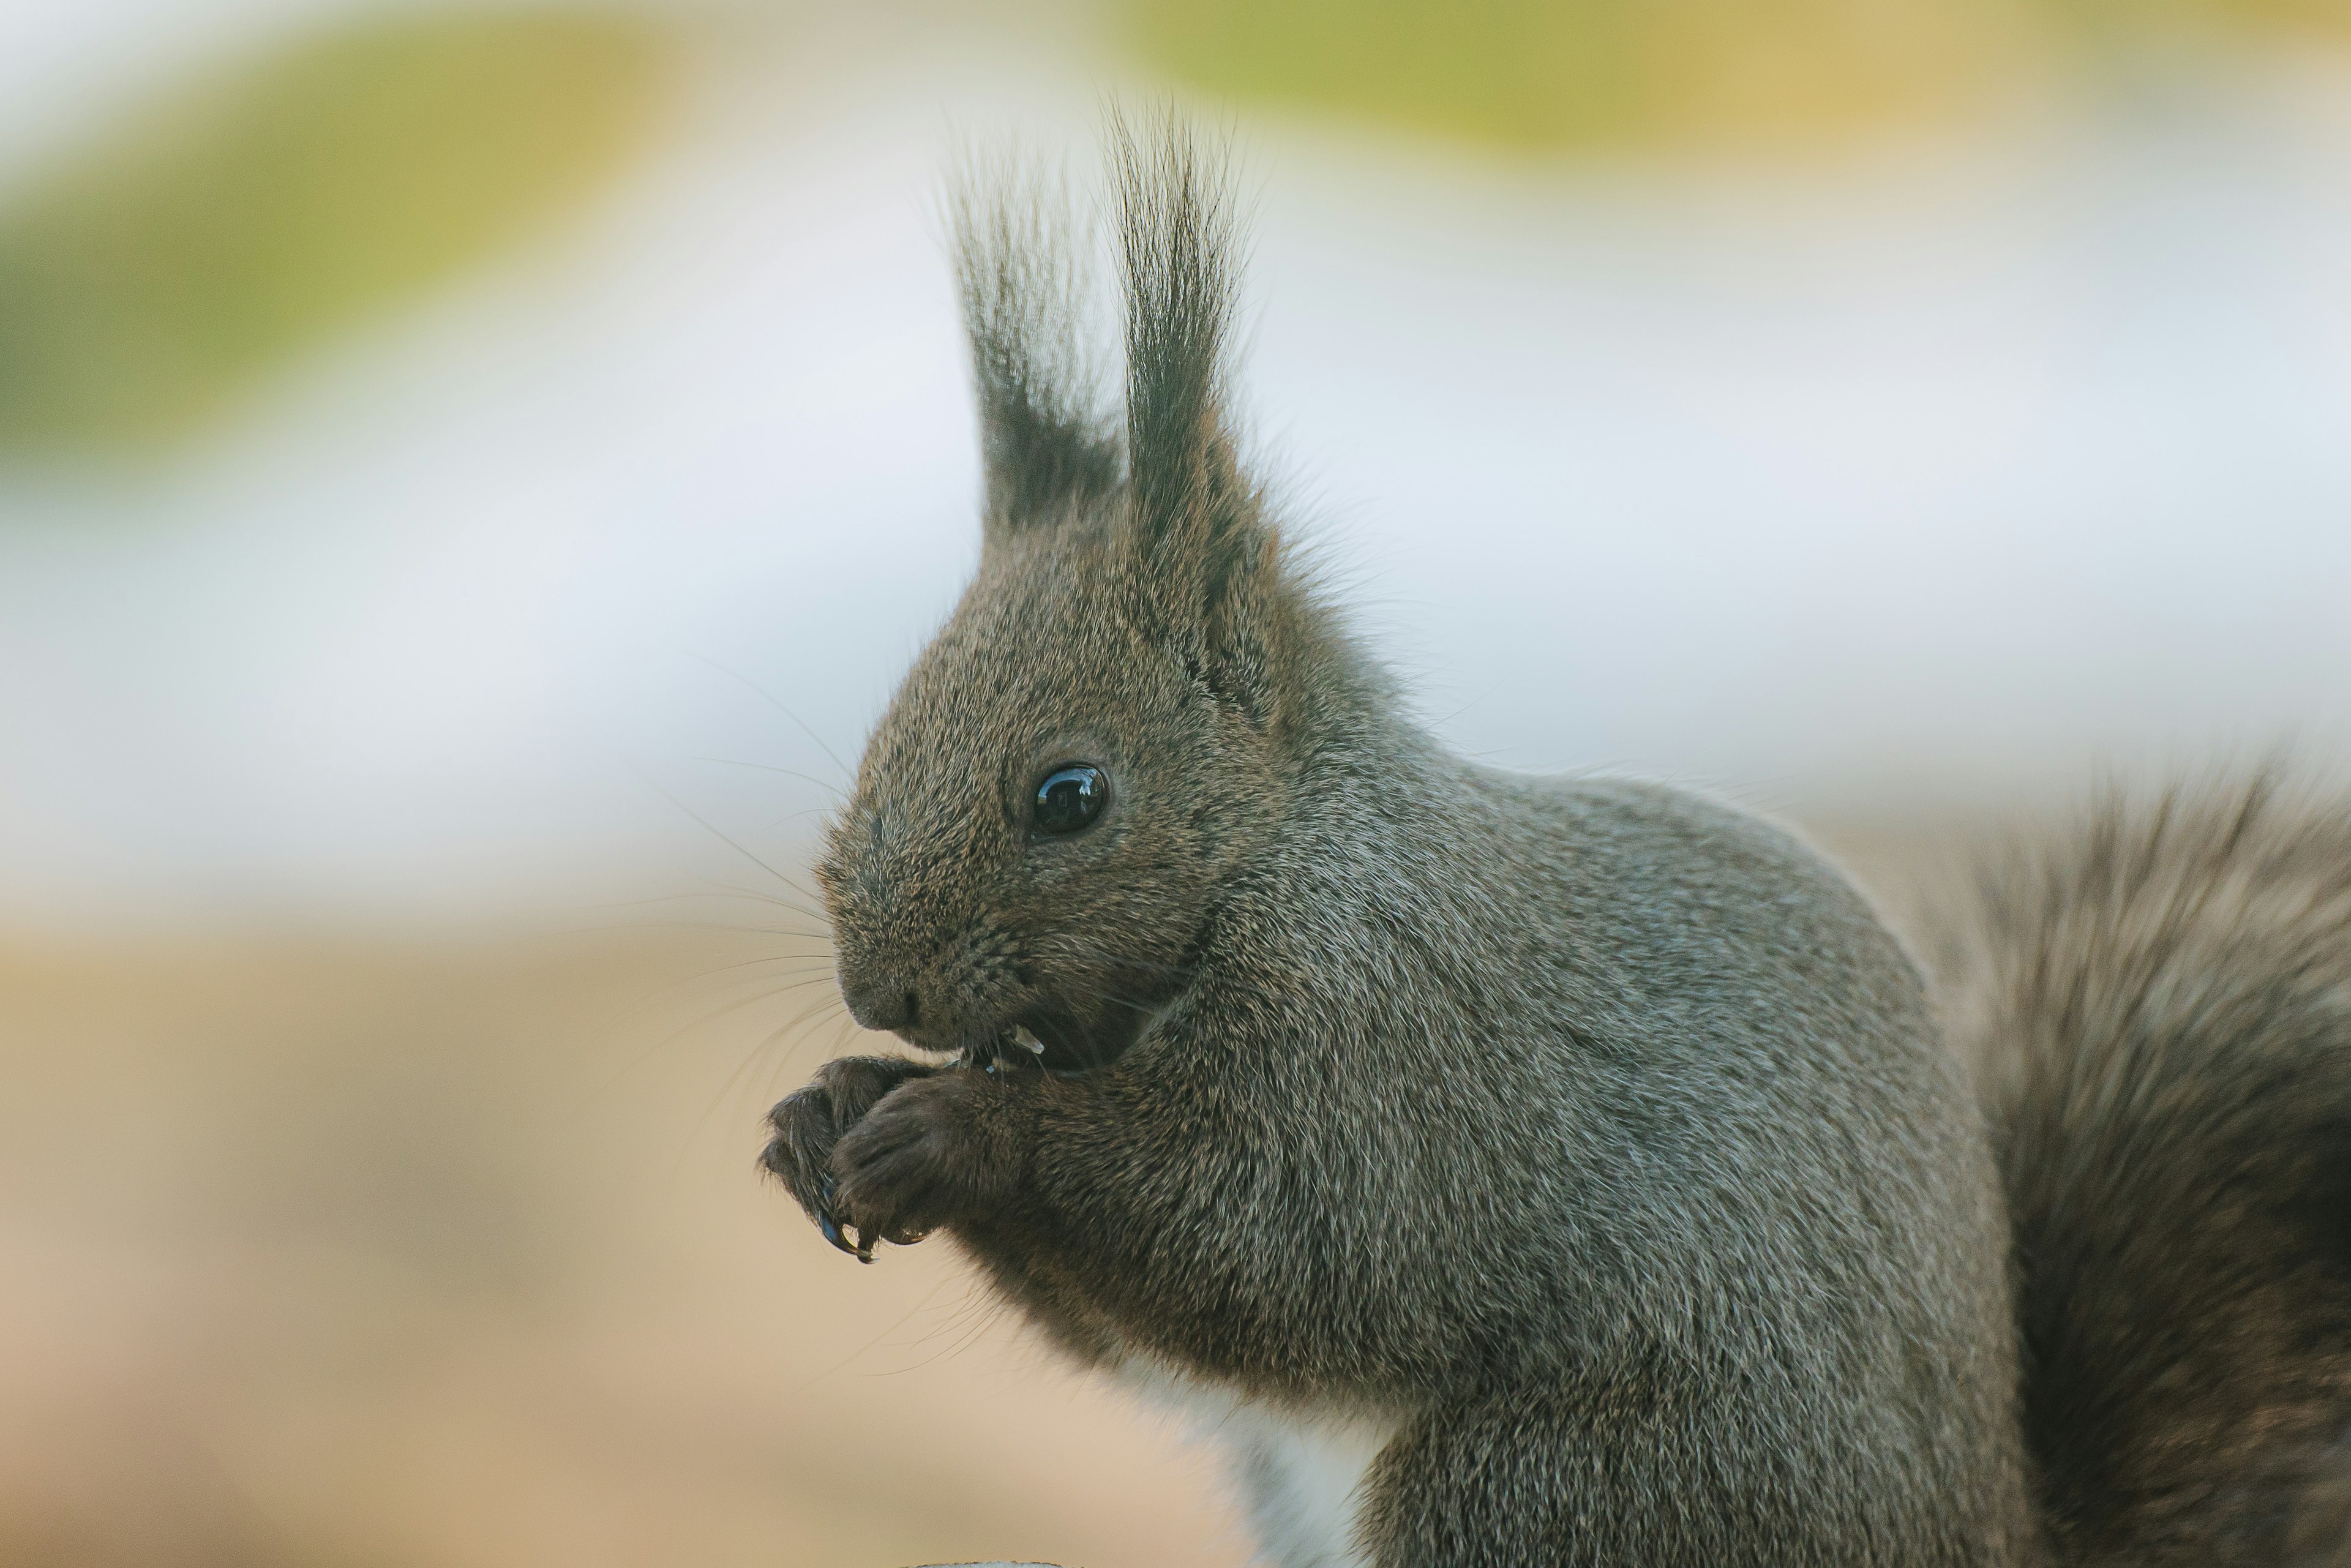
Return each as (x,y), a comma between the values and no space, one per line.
(2159,1007)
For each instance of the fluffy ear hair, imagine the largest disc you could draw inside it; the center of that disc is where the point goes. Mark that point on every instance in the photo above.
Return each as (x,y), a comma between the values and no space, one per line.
(1045,443)
(1197,519)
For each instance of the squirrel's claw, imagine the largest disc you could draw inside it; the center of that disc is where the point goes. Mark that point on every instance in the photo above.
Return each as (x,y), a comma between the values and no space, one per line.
(862,1250)
(806,1126)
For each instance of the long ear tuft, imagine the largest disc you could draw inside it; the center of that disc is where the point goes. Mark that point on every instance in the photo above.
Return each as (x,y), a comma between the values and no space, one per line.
(1177,236)
(1045,441)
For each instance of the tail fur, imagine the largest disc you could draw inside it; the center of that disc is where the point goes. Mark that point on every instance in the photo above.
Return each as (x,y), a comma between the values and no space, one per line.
(2158,1006)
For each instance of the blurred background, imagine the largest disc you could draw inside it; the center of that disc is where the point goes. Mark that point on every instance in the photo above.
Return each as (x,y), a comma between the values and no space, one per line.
(469,473)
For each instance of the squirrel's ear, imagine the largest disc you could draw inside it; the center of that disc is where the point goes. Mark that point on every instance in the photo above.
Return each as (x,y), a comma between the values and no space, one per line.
(1204,557)
(1045,443)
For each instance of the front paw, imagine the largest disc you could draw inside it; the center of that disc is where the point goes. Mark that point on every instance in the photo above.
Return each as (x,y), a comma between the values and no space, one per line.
(809,1125)
(916,1160)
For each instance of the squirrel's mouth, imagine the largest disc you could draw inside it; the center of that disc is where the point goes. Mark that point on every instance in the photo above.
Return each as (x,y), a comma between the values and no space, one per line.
(1054,1041)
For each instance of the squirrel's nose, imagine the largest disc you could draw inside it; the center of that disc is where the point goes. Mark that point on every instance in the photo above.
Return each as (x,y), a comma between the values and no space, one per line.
(881,1004)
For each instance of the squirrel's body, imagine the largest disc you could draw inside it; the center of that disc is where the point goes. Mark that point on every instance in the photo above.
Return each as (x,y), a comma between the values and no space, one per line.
(1514,1170)
(1619,1094)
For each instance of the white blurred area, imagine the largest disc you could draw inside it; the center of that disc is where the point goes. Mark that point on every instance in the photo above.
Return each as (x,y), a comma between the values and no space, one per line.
(1938,472)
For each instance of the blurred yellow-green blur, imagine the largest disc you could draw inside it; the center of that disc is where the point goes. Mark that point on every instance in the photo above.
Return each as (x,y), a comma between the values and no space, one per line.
(1537,74)
(1542,74)
(154,276)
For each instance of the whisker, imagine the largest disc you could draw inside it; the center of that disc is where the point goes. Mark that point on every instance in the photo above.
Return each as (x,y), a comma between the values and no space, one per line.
(706,1019)
(824,958)
(686,898)
(844,1025)
(670,1040)
(771,768)
(810,965)
(713,828)
(1081,954)
(717,890)
(687,925)
(1115,998)
(728,1090)
(736,890)
(796,816)
(983,1321)
(904,1318)
(769,698)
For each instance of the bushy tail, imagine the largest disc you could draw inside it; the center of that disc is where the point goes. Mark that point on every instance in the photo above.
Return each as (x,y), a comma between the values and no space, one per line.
(2159,1007)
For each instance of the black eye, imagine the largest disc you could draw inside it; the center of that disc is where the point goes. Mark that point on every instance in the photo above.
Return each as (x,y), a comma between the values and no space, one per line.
(1070,798)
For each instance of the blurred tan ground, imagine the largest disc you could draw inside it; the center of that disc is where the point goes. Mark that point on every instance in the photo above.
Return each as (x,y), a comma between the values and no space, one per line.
(360,1256)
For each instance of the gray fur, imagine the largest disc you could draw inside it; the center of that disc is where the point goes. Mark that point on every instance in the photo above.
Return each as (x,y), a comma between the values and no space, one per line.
(2157,1003)
(1593,1143)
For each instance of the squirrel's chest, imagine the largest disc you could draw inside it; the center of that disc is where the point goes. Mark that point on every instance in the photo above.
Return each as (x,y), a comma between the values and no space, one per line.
(1299,1473)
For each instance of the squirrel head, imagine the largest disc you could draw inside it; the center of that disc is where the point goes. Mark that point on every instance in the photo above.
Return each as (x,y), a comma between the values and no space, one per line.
(1108,729)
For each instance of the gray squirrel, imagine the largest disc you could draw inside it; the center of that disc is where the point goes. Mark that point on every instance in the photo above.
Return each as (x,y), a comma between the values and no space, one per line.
(1530,1171)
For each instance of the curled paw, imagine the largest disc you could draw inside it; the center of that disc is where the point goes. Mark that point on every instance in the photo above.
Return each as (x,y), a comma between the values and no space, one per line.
(808,1126)
(912,1164)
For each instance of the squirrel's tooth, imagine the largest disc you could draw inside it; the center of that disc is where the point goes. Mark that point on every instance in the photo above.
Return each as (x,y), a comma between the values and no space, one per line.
(1027,1042)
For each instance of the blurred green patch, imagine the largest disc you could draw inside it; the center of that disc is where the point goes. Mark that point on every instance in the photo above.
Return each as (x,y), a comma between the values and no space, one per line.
(153,279)
(1552,73)
(1543,74)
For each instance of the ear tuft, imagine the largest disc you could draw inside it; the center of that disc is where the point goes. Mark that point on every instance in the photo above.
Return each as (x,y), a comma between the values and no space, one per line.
(1177,236)
(1045,441)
